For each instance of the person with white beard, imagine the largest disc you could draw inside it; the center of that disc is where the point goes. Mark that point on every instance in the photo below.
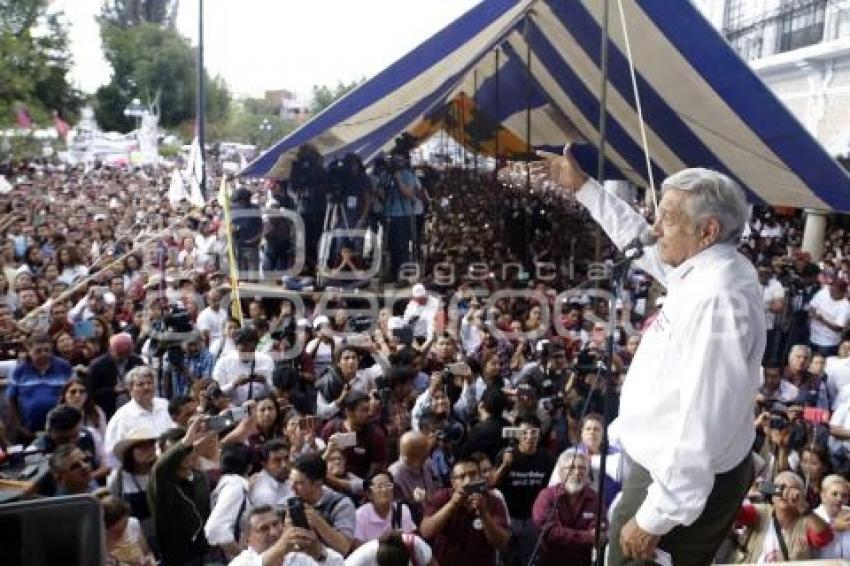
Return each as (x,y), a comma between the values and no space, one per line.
(565,514)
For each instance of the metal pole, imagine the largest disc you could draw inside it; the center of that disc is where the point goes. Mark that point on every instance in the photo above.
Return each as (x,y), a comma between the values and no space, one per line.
(603,113)
(608,395)
(475,142)
(200,111)
(527,98)
(498,113)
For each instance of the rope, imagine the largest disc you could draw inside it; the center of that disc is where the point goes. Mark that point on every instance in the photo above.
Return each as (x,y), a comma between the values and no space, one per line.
(638,107)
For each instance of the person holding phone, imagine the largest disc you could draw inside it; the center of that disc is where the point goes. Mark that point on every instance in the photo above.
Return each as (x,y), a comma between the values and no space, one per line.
(835,494)
(270,541)
(329,514)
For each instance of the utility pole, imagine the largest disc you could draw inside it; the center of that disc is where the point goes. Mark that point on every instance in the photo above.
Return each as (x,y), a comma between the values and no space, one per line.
(200,112)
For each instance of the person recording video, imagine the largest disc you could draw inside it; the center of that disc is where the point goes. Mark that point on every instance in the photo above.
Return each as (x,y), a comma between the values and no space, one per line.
(465,523)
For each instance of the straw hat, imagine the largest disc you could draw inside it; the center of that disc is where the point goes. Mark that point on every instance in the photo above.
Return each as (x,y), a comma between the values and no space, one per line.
(135,436)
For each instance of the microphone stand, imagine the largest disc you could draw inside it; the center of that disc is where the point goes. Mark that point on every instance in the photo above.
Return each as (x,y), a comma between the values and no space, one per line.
(618,277)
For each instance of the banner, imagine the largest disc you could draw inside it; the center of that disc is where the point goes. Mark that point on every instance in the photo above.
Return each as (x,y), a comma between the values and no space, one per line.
(235,303)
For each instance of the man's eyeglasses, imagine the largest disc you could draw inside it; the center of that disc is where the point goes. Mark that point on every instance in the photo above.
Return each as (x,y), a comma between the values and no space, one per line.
(382,486)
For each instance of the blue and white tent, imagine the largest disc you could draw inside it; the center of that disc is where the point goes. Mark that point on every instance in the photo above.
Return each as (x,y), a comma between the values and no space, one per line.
(701,104)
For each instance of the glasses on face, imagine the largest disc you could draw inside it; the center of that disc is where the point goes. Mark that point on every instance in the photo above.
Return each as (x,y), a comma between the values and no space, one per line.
(382,486)
(41,350)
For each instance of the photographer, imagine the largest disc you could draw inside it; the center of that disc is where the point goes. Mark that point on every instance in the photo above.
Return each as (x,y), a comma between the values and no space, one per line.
(523,469)
(784,530)
(400,187)
(486,436)
(308,181)
(465,523)
(247,231)
(342,378)
(244,374)
(368,452)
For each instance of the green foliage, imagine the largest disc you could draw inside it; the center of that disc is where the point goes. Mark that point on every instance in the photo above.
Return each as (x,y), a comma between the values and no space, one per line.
(34,63)
(130,13)
(324,96)
(149,60)
(243,122)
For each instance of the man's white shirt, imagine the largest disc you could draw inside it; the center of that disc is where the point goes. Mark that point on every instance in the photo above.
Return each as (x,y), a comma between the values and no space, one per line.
(231,367)
(836,312)
(772,291)
(212,321)
(686,404)
(265,490)
(131,415)
(838,378)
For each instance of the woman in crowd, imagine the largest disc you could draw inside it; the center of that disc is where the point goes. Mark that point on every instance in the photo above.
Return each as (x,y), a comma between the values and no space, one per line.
(381,514)
(75,394)
(300,432)
(261,425)
(69,264)
(814,465)
(136,453)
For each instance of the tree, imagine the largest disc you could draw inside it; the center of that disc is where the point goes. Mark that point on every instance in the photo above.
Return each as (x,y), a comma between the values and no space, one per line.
(130,13)
(243,124)
(324,96)
(149,60)
(34,62)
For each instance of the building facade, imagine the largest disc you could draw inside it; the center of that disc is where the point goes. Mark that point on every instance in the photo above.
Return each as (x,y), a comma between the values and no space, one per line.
(801,50)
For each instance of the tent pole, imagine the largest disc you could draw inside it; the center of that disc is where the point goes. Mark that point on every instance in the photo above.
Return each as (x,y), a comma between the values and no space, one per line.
(603,114)
(498,113)
(475,143)
(527,98)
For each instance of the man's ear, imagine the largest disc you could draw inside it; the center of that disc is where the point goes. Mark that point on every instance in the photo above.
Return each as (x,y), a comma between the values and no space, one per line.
(711,232)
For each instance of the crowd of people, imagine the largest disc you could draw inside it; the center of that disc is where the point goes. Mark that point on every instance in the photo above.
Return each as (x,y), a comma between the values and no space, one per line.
(459,421)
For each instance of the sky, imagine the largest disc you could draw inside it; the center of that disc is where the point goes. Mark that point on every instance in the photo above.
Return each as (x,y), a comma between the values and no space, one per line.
(259,45)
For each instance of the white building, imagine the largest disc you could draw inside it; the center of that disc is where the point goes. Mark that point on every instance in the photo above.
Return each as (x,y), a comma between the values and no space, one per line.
(801,50)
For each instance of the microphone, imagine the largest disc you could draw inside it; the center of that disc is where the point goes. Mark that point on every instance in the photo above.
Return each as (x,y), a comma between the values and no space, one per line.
(634,249)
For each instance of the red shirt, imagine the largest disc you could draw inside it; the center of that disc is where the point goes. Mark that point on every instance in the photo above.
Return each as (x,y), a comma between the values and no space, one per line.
(460,542)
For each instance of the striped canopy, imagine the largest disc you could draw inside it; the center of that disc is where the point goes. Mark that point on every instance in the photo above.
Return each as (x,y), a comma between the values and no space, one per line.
(478,77)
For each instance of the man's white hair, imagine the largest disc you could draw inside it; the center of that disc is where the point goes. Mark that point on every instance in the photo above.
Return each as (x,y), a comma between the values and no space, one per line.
(565,462)
(136,373)
(798,348)
(786,478)
(712,194)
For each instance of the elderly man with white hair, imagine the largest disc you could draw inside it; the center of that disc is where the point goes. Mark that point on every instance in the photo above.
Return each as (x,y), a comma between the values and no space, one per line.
(144,410)
(685,421)
(565,513)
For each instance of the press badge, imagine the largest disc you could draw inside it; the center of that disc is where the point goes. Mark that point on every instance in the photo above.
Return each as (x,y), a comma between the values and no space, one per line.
(352,202)
(588,515)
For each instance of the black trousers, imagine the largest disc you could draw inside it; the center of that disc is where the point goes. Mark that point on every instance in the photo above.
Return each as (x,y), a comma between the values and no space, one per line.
(697,543)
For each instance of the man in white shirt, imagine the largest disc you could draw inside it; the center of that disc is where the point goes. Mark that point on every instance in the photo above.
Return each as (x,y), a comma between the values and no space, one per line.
(774,304)
(143,410)
(829,314)
(244,374)
(270,486)
(686,407)
(838,373)
(421,312)
(210,321)
(269,543)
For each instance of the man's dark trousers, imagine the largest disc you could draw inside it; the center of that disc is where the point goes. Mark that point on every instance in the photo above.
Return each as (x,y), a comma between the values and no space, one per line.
(696,544)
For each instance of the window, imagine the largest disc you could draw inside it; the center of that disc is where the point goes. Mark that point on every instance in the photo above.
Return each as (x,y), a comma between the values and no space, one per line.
(800,23)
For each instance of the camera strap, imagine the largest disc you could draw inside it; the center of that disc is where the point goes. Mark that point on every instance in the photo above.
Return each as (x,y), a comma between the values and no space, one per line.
(780,537)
